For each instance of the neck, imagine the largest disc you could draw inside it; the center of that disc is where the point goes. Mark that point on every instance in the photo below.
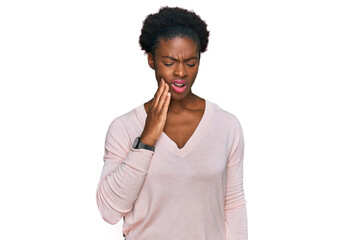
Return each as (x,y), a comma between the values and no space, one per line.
(189,102)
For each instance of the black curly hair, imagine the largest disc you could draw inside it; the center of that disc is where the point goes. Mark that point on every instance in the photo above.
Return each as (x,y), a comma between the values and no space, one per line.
(169,23)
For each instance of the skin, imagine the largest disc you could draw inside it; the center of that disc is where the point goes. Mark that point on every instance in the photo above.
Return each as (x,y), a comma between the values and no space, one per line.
(177,115)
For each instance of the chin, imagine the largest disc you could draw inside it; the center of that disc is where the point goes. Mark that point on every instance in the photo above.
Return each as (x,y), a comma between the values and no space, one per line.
(179,97)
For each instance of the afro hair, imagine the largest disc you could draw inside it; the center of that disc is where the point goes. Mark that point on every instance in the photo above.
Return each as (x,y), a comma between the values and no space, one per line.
(174,22)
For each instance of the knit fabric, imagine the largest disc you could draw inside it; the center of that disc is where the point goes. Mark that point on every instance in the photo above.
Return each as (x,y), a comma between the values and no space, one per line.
(195,192)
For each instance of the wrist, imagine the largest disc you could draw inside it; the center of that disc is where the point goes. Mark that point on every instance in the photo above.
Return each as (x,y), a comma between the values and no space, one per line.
(148,140)
(137,144)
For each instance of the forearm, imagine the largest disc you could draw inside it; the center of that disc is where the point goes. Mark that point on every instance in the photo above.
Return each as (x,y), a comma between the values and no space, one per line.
(121,183)
(236,223)
(235,204)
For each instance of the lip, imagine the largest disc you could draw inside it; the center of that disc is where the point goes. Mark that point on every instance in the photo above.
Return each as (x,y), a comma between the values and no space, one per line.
(179,81)
(179,89)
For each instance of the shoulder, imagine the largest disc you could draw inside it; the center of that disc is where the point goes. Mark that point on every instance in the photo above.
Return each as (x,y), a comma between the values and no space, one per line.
(228,128)
(225,118)
(127,121)
(123,119)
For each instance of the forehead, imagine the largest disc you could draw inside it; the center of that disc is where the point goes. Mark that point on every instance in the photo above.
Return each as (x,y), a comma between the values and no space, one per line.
(177,47)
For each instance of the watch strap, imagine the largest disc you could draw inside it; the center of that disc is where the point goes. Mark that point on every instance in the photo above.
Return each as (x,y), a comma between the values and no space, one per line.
(137,144)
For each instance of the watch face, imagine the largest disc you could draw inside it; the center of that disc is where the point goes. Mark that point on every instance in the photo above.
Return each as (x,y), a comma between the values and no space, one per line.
(135,143)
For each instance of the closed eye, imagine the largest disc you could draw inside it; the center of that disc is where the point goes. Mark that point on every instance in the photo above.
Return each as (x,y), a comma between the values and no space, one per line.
(168,64)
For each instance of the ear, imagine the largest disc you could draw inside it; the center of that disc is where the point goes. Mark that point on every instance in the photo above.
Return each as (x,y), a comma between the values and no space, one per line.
(151,61)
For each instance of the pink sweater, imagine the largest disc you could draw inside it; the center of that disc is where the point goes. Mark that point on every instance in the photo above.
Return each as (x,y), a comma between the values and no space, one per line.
(195,192)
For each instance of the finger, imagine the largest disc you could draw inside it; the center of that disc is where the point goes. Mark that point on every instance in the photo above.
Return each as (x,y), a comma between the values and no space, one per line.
(158,94)
(163,98)
(166,104)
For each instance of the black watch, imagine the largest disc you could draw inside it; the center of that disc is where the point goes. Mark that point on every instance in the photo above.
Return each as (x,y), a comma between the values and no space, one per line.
(137,144)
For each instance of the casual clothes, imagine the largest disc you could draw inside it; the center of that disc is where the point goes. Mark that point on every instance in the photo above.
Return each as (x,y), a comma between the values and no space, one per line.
(195,192)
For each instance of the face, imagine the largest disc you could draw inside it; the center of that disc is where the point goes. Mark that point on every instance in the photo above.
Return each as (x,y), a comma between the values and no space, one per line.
(177,62)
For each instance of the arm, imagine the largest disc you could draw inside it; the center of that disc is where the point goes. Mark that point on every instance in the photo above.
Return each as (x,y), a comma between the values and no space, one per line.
(235,209)
(123,174)
(125,168)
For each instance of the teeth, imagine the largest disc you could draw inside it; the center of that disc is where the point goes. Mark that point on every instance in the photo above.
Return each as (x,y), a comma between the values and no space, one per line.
(178,85)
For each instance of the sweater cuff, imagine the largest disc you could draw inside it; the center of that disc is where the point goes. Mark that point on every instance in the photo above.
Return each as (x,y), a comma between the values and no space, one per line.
(139,159)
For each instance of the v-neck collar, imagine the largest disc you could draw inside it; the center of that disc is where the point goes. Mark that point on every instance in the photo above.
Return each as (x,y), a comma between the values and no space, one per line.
(195,137)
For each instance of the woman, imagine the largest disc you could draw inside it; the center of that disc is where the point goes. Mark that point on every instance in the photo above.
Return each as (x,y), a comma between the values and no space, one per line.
(173,166)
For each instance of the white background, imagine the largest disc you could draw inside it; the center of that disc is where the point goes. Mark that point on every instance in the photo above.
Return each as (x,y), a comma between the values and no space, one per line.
(289,70)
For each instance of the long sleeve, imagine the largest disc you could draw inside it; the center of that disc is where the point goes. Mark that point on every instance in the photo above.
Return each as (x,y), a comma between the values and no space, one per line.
(123,174)
(235,208)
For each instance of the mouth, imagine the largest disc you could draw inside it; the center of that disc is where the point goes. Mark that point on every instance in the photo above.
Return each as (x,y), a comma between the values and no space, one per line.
(178,85)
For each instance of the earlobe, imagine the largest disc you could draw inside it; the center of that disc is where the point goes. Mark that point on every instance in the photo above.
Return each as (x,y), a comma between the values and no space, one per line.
(151,61)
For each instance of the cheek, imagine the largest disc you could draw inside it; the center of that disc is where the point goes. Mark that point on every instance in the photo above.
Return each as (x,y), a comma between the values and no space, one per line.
(163,72)
(194,71)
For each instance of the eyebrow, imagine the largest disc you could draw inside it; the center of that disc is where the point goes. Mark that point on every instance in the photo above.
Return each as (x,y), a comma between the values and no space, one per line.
(174,59)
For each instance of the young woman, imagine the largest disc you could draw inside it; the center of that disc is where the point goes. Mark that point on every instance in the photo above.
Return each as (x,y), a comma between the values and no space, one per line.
(173,167)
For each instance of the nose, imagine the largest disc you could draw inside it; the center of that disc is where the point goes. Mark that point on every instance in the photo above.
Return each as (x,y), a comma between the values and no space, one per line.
(180,70)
